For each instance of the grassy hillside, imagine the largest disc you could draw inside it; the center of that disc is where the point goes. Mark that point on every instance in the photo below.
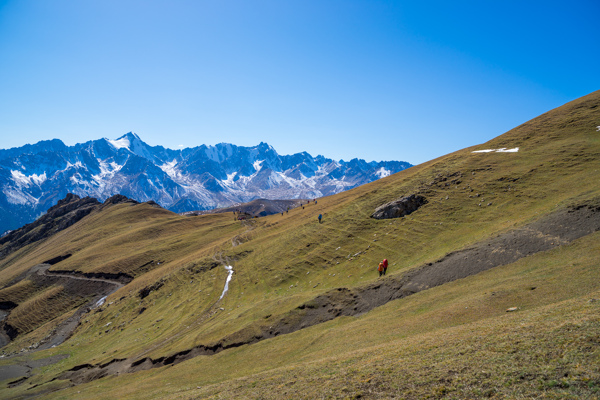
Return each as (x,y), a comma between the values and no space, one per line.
(451,341)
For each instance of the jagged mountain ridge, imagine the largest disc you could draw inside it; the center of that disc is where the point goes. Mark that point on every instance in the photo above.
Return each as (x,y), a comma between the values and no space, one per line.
(34,177)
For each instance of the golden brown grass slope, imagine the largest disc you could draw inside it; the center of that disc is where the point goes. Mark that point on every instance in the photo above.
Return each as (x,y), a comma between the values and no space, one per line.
(452,341)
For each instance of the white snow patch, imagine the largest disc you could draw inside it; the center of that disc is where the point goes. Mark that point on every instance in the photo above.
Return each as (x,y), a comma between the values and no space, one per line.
(382,172)
(38,179)
(229,183)
(107,171)
(120,143)
(115,167)
(19,178)
(23,180)
(258,164)
(76,179)
(101,301)
(78,164)
(229,268)
(169,168)
(15,196)
(276,178)
(502,150)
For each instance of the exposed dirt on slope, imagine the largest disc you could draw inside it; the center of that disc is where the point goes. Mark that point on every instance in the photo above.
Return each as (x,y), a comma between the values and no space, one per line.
(551,231)
(91,286)
(554,230)
(23,370)
(94,286)
(4,338)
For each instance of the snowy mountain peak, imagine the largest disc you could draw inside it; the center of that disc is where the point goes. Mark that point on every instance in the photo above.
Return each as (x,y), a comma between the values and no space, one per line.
(121,143)
(134,144)
(33,178)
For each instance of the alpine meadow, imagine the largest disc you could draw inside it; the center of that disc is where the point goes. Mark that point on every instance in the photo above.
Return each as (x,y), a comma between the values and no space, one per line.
(492,289)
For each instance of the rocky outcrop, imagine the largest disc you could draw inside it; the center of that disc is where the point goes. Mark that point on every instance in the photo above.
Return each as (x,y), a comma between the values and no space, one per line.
(117,199)
(399,208)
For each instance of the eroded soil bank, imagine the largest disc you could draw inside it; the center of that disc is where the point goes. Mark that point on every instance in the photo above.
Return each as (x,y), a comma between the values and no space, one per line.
(554,230)
(91,286)
(73,283)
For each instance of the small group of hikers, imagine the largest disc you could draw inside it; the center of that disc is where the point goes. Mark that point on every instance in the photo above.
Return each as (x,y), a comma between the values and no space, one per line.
(382,268)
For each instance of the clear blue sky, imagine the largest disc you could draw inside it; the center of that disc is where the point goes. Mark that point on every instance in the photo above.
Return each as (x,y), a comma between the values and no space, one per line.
(379,80)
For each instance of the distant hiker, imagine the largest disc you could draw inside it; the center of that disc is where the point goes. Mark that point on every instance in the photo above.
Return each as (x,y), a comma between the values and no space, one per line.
(320,216)
(288,210)
(380,269)
(385,265)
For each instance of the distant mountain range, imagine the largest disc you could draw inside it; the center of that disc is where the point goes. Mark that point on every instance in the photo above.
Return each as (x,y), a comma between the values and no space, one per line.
(34,177)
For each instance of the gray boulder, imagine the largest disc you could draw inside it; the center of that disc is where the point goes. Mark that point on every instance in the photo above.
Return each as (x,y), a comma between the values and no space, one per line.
(400,207)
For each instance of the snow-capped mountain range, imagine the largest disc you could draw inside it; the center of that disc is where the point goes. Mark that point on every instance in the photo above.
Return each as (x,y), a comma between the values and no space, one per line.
(34,177)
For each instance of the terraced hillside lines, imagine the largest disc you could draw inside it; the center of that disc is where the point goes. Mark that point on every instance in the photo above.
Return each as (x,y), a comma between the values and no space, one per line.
(51,296)
(17,293)
(29,315)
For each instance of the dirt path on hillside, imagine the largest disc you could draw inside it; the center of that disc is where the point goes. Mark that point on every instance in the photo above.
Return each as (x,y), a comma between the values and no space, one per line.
(98,288)
(554,230)
(242,237)
(43,271)
(63,331)
(74,283)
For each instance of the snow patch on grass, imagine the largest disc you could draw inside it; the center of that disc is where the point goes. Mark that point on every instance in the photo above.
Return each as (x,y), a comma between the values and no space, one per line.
(502,150)
(229,268)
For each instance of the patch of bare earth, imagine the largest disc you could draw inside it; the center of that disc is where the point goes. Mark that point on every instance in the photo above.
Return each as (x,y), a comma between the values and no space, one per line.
(93,286)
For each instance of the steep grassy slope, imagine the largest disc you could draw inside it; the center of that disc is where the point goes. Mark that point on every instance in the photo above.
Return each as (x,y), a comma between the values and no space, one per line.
(454,340)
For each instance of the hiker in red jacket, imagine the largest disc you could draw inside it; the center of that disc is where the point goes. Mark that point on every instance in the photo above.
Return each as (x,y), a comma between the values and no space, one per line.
(385,265)
(380,269)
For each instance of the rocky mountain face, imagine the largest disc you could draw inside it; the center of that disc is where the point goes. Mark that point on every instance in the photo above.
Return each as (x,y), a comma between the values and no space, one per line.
(34,177)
